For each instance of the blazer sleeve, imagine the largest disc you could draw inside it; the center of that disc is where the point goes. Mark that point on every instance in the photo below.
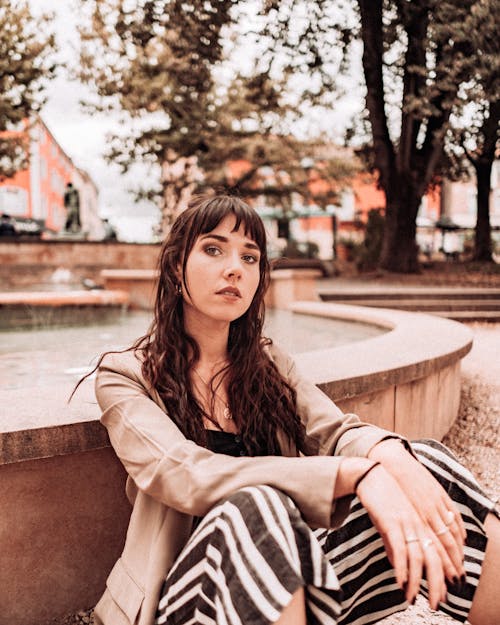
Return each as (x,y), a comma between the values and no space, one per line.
(334,432)
(189,478)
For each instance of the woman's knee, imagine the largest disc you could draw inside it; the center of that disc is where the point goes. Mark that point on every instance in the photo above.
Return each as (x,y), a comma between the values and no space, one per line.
(259,493)
(263,501)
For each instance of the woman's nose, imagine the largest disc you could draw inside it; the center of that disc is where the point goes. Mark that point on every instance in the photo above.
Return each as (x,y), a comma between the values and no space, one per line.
(233,268)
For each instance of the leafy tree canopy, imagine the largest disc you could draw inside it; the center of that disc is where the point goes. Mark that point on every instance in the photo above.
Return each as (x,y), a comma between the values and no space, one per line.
(25,63)
(165,65)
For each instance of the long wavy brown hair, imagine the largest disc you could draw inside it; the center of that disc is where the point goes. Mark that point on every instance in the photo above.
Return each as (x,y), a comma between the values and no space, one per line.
(260,399)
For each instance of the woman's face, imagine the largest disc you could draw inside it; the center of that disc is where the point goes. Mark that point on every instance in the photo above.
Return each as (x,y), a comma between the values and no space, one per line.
(222,274)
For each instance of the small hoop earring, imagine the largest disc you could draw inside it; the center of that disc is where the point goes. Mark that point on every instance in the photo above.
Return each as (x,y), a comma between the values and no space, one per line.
(178,289)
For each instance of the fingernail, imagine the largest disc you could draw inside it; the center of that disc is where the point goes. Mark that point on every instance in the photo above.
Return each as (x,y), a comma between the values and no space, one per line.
(412,602)
(405,587)
(454,580)
(463,579)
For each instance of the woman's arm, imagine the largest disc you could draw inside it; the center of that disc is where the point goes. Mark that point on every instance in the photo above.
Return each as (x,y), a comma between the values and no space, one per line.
(335,432)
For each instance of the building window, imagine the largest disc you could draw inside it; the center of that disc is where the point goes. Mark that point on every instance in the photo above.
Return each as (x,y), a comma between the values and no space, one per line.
(14,201)
(56,182)
(43,207)
(44,168)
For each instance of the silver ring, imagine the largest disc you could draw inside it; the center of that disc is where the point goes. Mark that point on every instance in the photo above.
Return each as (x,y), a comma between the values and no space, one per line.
(428,542)
(450,517)
(411,539)
(442,531)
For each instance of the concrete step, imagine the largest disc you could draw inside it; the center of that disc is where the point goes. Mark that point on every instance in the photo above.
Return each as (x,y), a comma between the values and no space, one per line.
(425,305)
(408,293)
(469,315)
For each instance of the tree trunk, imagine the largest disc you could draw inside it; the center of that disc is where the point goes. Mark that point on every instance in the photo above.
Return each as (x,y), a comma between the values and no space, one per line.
(399,247)
(180,177)
(482,240)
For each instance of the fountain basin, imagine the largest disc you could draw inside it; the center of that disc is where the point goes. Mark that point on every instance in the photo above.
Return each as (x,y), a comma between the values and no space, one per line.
(36,309)
(62,488)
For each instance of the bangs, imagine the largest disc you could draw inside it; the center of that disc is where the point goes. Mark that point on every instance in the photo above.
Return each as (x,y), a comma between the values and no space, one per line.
(214,210)
(201,217)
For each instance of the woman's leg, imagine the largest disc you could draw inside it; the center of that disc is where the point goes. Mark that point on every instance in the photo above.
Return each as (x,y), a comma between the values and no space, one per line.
(481,551)
(486,604)
(251,560)
(295,611)
(357,554)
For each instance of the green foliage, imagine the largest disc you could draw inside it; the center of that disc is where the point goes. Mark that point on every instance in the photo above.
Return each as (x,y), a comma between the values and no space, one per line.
(164,66)
(421,59)
(367,253)
(25,48)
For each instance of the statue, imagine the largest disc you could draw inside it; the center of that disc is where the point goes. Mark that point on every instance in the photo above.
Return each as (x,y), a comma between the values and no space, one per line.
(72,206)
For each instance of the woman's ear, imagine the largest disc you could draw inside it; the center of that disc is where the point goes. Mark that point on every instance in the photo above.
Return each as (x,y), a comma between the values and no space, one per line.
(178,272)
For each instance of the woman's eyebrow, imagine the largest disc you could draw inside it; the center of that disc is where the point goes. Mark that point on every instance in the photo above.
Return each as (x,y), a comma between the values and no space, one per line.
(222,239)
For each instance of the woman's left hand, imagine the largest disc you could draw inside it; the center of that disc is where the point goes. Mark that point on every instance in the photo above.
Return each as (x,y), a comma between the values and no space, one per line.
(431,501)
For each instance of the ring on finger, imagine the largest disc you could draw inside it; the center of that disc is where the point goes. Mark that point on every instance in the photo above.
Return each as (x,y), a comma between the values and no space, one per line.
(442,531)
(411,539)
(428,542)
(450,517)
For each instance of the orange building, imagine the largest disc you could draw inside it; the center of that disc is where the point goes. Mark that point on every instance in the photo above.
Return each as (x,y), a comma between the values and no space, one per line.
(37,193)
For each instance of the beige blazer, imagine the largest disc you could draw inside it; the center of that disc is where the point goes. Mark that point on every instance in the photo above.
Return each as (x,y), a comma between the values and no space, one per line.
(171,479)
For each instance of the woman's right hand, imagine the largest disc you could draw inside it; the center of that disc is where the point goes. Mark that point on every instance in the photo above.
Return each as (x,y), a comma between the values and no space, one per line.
(408,541)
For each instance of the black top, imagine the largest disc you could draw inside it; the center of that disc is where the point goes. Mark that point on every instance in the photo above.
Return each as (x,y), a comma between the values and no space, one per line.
(229,444)
(225,443)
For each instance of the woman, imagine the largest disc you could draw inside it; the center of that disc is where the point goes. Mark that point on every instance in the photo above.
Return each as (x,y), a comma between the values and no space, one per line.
(255,499)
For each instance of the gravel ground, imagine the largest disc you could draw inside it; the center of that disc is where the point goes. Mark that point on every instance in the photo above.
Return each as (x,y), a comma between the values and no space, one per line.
(475,438)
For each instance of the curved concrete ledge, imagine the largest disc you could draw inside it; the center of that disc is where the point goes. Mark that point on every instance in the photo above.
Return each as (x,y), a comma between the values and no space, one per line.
(62,488)
(406,380)
(140,284)
(416,347)
(64,298)
(35,309)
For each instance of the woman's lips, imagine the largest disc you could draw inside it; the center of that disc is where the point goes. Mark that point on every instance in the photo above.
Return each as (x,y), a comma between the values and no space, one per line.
(229,291)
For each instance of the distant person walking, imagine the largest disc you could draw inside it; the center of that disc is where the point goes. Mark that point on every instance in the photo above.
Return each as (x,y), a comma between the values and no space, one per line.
(72,206)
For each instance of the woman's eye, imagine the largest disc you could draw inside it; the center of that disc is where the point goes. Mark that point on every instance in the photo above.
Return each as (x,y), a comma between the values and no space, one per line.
(212,250)
(250,258)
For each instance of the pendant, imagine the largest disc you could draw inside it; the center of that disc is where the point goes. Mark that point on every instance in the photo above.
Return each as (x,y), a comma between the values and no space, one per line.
(227,414)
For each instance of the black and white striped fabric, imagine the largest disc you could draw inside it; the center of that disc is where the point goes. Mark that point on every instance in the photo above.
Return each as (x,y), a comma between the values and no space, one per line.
(252,551)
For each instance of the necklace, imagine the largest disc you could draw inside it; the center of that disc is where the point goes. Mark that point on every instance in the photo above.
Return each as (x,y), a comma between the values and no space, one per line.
(226,413)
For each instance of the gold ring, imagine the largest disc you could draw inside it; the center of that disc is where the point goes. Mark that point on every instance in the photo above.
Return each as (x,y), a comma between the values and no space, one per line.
(428,542)
(411,539)
(442,531)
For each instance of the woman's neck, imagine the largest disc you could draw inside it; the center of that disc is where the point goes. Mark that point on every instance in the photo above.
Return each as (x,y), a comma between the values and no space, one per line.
(212,341)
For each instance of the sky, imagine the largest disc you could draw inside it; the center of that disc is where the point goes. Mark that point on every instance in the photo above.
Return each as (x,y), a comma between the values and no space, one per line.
(83,136)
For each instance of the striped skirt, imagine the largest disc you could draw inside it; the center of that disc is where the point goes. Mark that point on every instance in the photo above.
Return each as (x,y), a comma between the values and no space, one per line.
(252,551)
